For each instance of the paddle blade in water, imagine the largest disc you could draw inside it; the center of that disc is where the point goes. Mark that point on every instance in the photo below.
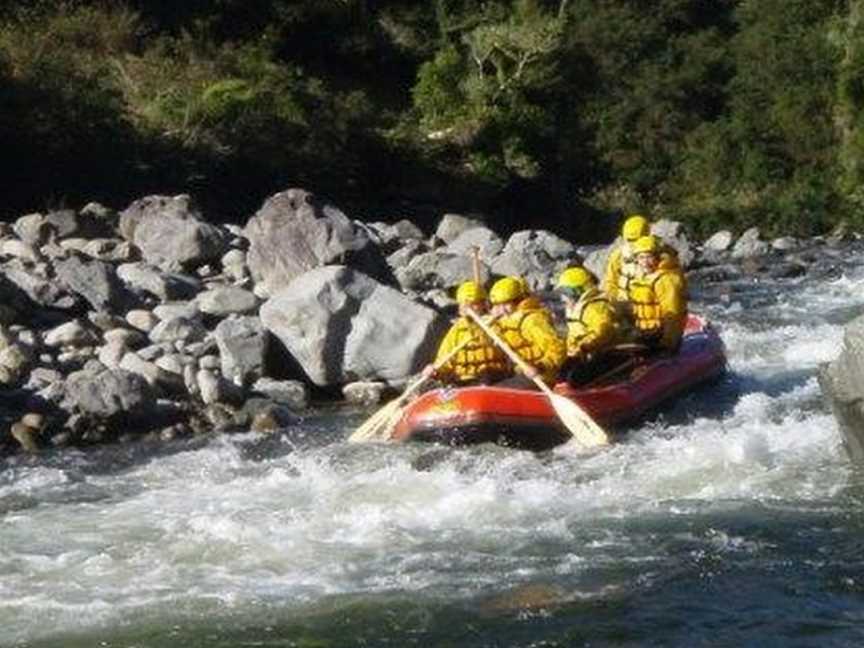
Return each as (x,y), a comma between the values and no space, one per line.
(379,426)
(581,426)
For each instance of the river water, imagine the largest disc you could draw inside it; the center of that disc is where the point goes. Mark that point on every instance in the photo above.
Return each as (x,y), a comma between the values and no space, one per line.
(732,519)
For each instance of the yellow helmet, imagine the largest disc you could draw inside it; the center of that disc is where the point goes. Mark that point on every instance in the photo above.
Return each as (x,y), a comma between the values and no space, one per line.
(576,279)
(646,244)
(506,290)
(635,227)
(470,292)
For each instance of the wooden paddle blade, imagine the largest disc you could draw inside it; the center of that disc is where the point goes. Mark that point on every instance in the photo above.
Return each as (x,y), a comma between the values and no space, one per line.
(379,426)
(583,428)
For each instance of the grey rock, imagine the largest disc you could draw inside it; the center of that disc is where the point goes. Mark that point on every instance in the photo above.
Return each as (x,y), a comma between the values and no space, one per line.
(234,265)
(785,244)
(403,256)
(487,241)
(173,310)
(750,245)
(343,326)
(363,393)
(112,354)
(451,226)
(293,232)
(226,301)
(170,232)
(292,392)
(33,288)
(108,393)
(842,383)
(215,389)
(142,320)
(674,233)
(165,286)
(95,281)
(165,382)
(19,250)
(127,337)
(439,269)
(719,241)
(178,329)
(243,345)
(70,334)
(33,229)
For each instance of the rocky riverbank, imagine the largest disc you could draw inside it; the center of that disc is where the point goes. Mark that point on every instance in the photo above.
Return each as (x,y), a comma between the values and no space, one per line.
(152,322)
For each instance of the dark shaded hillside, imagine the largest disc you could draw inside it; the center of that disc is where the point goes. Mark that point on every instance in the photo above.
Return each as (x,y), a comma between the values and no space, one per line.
(558,114)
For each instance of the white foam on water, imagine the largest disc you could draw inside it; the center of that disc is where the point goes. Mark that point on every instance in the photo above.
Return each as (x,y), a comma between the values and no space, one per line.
(213,526)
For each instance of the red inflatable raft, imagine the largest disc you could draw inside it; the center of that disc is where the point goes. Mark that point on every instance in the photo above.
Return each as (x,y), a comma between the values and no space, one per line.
(525,419)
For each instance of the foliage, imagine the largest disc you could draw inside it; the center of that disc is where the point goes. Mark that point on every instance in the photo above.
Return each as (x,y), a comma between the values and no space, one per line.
(720,112)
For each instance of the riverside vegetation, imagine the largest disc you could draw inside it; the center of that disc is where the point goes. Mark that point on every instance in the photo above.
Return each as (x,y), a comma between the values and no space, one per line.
(565,113)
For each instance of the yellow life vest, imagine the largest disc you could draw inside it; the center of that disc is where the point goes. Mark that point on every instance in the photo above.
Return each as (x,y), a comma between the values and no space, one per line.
(623,268)
(664,313)
(591,323)
(530,333)
(480,358)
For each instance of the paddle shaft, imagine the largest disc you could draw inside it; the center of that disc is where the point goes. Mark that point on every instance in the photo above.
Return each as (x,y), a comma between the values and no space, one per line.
(475,252)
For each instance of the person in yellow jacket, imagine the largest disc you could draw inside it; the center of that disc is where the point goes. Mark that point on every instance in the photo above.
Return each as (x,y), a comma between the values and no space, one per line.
(658,298)
(526,325)
(593,326)
(480,361)
(592,321)
(622,268)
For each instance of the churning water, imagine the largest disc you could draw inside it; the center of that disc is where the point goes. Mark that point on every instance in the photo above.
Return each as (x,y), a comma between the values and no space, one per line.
(733,518)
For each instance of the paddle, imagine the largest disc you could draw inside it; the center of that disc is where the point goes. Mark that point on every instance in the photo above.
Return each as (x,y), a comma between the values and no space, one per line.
(583,428)
(380,425)
(475,263)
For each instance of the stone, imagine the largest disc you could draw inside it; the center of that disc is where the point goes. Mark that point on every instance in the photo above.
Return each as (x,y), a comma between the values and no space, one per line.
(294,232)
(363,393)
(170,232)
(292,392)
(451,226)
(243,345)
(343,326)
(224,301)
(142,320)
(70,334)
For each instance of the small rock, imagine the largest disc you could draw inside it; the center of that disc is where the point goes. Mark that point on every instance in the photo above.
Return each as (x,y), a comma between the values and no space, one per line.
(26,436)
(363,393)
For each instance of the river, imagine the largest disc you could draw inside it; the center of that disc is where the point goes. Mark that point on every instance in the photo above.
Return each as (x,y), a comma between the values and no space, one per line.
(732,519)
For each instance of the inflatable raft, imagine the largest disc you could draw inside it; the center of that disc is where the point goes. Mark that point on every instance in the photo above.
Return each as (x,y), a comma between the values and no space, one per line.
(525,419)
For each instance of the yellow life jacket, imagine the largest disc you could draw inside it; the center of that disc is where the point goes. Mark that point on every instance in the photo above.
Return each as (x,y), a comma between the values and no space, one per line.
(591,323)
(479,359)
(623,268)
(654,313)
(530,333)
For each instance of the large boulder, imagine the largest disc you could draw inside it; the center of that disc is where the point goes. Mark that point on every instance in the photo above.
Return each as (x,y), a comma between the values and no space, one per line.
(107,394)
(438,269)
(342,326)
(537,255)
(170,232)
(293,232)
(842,383)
